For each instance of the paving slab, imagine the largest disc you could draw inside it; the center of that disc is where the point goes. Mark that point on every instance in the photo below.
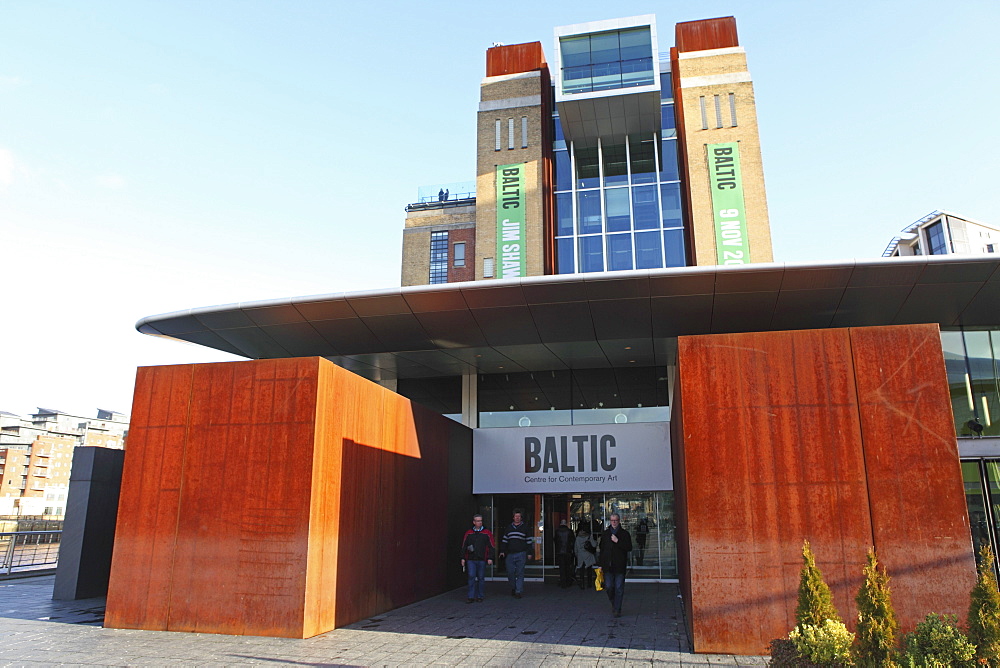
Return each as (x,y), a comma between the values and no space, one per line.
(548,627)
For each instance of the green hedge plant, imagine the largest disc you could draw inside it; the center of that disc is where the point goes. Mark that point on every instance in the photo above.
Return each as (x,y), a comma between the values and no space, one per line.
(815,598)
(828,644)
(984,612)
(877,625)
(938,643)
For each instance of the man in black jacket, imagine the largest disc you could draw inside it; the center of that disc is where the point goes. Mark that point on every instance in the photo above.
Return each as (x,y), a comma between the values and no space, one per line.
(477,552)
(616,543)
(565,541)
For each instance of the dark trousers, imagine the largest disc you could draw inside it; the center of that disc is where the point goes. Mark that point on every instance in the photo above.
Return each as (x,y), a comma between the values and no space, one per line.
(565,562)
(614,584)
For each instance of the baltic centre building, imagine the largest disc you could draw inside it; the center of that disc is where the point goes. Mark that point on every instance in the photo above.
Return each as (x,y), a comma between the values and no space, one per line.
(594,325)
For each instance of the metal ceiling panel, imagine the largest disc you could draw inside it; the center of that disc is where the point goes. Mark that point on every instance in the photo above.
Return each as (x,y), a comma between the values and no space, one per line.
(942,303)
(171,324)
(533,357)
(563,322)
(580,354)
(677,316)
(764,280)
(696,281)
(347,336)
(213,340)
(300,339)
(956,272)
(254,342)
(551,292)
(621,318)
(400,331)
(441,362)
(629,352)
(326,308)
(743,312)
(806,309)
(634,284)
(492,294)
(508,326)
(279,314)
(863,307)
(869,274)
(213,319)
(451,329)
(431,301)
(812,278)
(984,308)
(481,356)
(374,304)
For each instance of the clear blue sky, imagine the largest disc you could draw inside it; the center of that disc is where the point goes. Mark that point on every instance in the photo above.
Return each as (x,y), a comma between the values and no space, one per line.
(157,156)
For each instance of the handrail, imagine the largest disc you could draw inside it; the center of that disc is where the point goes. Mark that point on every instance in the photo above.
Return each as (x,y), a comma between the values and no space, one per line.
(27,549)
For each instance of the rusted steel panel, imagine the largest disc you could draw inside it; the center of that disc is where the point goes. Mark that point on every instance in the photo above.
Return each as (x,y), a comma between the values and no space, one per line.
(266,498)
(915,483)
(772,456)
(514,59)
(706,34)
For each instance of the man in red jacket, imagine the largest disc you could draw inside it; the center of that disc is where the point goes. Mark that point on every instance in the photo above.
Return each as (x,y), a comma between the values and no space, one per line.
(477,552)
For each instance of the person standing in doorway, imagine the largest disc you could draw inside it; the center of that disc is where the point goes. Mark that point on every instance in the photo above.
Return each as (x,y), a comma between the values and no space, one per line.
(641,534)
(616,543)
(477,552)
(586,557)
(514,545)
(565,542)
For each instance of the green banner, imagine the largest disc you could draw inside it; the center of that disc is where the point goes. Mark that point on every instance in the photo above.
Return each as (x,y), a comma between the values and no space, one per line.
(727,204)
(512,257)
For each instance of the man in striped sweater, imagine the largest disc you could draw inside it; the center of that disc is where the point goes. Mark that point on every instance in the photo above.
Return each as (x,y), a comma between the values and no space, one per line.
(514,545)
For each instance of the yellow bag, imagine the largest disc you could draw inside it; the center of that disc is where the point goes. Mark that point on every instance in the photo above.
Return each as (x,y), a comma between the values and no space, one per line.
(598,578)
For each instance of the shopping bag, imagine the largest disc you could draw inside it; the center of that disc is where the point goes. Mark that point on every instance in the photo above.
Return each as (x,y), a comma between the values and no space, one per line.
(598,578)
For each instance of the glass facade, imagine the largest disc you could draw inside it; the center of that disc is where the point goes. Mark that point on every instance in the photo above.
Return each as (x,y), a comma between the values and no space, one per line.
(648,516)
(618,206)
(970,358)
(580,396)
(607,60)
(982,496)
(439,258)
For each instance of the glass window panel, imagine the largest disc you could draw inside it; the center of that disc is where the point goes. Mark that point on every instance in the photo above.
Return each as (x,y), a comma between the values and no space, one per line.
(607,76)
(673,244)
(668,121)
(564,256)
(665,533)
(975,499)
(588,205)
(577,79)
(637,72)
(619,252)
(645,207)
(666,87)
(668,156)
(615,165)
(643,157)
(959,382)
(604,48)
(564,175)
(984,382)
(636,43)
(935,239)
(670,201)
(559,141)
(564,214)
(575,51)
(637,511)
(591,254)
(587,169)
(442,395)
(616,209)
(648,253)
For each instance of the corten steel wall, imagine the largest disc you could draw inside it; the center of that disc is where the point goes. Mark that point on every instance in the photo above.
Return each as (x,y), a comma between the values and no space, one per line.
(843,437)
(257,495)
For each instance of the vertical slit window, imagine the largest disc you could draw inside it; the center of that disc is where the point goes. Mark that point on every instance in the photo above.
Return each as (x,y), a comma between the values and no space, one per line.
(718,112)
(498,134)
(510,133)
(524,132)
(701,103)
(439,257)
(732,108)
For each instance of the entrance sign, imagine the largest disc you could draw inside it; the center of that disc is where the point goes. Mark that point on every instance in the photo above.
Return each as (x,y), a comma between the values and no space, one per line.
(511,251)
(727,204)
(581,458)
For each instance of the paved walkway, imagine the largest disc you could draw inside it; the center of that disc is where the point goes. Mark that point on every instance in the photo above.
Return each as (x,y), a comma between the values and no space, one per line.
(549,626)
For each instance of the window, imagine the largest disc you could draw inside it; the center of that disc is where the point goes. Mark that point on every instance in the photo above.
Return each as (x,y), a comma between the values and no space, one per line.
(607,60)
(935,239)
(510,133)
(732,108)
(498,134)
(439,257)
(459,254)
(524,132)
(989,248)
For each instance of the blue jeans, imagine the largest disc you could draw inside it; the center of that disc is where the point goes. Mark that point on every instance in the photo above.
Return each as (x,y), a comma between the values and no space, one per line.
(477,578)
(614,584)
(515,570)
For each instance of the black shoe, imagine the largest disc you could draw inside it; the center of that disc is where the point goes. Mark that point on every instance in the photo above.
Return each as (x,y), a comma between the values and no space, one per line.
(479,600)
(516,595)
(513,593)
(470,600)
(618,613)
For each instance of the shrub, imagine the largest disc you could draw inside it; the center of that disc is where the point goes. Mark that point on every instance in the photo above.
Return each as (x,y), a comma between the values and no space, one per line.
(877,625)
(815,599)
(784,655)
(937,642)
(827,645)
(984,612)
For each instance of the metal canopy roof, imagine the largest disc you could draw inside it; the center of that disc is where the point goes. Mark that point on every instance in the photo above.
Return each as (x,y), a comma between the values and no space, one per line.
(589,320)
